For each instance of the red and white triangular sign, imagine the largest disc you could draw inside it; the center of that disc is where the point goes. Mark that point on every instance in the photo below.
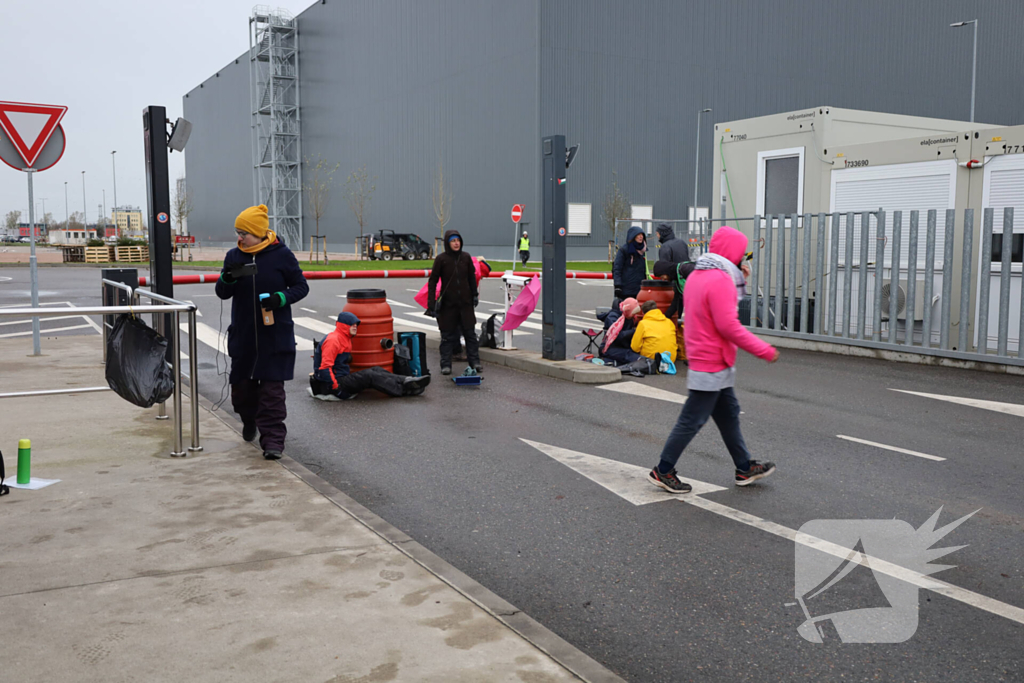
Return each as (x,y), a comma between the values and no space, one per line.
(29,126)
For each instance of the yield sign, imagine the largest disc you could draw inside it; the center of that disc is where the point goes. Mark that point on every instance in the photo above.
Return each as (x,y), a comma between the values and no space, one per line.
(29,126)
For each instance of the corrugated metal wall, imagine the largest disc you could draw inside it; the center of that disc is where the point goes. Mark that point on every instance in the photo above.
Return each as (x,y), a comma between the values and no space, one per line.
(403,86)
(218,158)
(627,79)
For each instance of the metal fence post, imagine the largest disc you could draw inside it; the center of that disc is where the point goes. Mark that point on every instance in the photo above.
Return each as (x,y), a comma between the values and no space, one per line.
(766,320)
(985,275)
(908,335)
(833,277)
(966,270)
(791,280)
(805,283)
(178,451)
(947,278)
(894,275)
(780,272)
(876,309)
(1004,281)
(193,380)
(929,280)
(862,280)
(755,271)
(819,275)
(848,277)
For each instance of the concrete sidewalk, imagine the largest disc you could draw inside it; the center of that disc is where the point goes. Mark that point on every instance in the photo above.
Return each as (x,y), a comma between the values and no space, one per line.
(220,566)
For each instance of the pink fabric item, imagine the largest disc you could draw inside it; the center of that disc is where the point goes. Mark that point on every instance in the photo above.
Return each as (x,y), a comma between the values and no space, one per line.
(713,329)
(523,306)
(627,304)
(421,296)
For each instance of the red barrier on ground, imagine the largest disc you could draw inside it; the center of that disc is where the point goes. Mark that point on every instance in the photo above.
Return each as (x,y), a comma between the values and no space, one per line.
(210,278)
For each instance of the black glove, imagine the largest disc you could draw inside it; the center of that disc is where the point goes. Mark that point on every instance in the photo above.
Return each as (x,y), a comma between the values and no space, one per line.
(226,278)
(618,293)
(274,301)
(430,311)
(476,301)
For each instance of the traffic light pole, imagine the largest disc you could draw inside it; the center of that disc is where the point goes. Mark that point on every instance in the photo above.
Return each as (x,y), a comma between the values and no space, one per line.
(553,167)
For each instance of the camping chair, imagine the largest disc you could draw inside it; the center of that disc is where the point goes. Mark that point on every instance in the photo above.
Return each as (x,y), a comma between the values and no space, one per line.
(594,341)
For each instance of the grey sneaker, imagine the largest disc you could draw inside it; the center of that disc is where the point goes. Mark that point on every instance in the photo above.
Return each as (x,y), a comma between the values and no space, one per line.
(757,470)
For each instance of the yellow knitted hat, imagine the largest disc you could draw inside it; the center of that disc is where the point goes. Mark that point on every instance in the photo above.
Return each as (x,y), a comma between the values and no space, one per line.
(254,220)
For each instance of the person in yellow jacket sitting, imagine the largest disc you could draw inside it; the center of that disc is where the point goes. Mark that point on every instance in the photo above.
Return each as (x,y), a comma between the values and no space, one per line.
(654,333)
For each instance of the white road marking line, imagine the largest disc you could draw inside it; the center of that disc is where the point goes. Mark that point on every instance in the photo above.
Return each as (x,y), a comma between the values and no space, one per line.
(598,283)
(890,448)
(490,303)
(624,480)
(398,303)
(569,325)
(45,332)
(589,321)
(27,321)
(412,290)
(307,310)
(996,406)
(431,330)
(315,325)
(533,326)
(209,336)
(612,474)
(638,389)
(90,321)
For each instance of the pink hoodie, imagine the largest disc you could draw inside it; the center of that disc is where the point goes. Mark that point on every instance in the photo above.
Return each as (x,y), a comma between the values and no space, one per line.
(713,329)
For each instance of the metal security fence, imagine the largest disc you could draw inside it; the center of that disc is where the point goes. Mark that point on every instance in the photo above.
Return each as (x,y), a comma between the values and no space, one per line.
(893,281)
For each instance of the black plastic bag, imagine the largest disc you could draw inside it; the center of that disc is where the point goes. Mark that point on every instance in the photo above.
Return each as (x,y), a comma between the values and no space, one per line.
(137,368)
(640,367)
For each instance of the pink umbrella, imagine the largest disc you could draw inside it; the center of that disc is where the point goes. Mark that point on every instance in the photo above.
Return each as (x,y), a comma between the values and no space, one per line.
(523,306)
(479,268)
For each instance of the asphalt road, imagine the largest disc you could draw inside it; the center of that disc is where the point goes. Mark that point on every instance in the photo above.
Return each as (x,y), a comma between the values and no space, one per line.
(666,591)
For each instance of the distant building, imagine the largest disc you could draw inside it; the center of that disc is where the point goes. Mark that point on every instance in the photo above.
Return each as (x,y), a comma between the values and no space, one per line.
(128,221)
(63,236)
(24,232)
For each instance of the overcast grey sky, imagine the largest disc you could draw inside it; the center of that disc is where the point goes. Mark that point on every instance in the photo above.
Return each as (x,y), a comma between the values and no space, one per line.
(106,60)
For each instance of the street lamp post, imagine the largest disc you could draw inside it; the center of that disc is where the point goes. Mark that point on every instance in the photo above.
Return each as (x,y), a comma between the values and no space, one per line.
(974,65)
(85,219)
(696,171)
(113,165)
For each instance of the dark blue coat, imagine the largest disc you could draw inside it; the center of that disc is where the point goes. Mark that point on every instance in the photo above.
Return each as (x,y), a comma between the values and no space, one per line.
(630,267)
(258,351)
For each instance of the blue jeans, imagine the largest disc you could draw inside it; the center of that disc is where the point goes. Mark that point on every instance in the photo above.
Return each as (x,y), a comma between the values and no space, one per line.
(721,406)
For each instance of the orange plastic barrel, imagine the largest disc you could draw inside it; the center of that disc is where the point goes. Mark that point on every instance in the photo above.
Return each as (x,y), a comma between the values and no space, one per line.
(659,291)
(373,345)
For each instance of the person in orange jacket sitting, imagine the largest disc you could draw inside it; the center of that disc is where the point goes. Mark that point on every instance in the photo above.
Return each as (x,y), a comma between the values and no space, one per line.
(332,377)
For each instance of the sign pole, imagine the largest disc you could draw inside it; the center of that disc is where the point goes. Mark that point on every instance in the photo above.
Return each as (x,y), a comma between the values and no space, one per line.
(32,268)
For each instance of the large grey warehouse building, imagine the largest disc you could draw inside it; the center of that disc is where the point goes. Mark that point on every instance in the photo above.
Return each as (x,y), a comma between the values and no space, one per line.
(416,89)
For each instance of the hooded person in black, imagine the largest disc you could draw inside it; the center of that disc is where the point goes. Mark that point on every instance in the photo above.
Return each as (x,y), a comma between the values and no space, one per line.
(630,267)
(670,247)
(453,308)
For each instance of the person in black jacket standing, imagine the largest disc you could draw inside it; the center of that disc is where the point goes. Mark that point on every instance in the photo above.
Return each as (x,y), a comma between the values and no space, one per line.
(453,308)
(670,247)
(262,348)
(630,267)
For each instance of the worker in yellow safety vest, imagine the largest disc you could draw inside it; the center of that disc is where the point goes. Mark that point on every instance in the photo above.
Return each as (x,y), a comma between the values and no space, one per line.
(524,247)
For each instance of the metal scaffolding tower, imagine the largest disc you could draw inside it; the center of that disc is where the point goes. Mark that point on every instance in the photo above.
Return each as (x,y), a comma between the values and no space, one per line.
(276,143)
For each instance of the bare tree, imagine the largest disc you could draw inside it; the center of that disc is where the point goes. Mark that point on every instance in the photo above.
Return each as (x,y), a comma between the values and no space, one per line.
(182,204)
(11,221)
(75,221)
(359,189)
(320,177)
(442,196)
(616,208)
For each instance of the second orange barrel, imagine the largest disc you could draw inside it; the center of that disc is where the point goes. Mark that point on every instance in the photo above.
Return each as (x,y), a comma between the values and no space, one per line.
(659,291)
(374,344)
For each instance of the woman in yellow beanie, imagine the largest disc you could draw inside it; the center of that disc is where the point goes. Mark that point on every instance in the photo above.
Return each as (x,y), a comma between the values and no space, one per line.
(262,348)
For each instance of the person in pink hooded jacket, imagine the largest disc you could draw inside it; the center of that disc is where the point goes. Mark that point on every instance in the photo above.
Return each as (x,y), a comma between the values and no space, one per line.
(713,331)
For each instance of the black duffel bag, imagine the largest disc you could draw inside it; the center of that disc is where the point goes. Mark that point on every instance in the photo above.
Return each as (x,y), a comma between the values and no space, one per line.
(137,368)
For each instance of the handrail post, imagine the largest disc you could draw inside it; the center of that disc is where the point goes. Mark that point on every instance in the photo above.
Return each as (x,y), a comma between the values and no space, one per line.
(178,451)
(103,319)
(158,324)
(193,380)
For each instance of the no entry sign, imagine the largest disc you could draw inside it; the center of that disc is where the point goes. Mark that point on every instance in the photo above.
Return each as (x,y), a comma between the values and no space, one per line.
(517,213)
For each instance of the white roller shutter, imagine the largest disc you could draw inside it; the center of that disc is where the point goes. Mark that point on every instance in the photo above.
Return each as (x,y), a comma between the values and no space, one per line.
(645,211)
(1004,187)
(920,186)
(579,219)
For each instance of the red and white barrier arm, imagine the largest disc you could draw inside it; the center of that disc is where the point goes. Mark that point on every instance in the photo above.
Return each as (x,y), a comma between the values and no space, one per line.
(211,278)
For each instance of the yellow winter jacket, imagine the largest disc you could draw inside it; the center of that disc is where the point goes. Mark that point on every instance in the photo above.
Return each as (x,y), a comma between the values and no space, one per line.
(654,334)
